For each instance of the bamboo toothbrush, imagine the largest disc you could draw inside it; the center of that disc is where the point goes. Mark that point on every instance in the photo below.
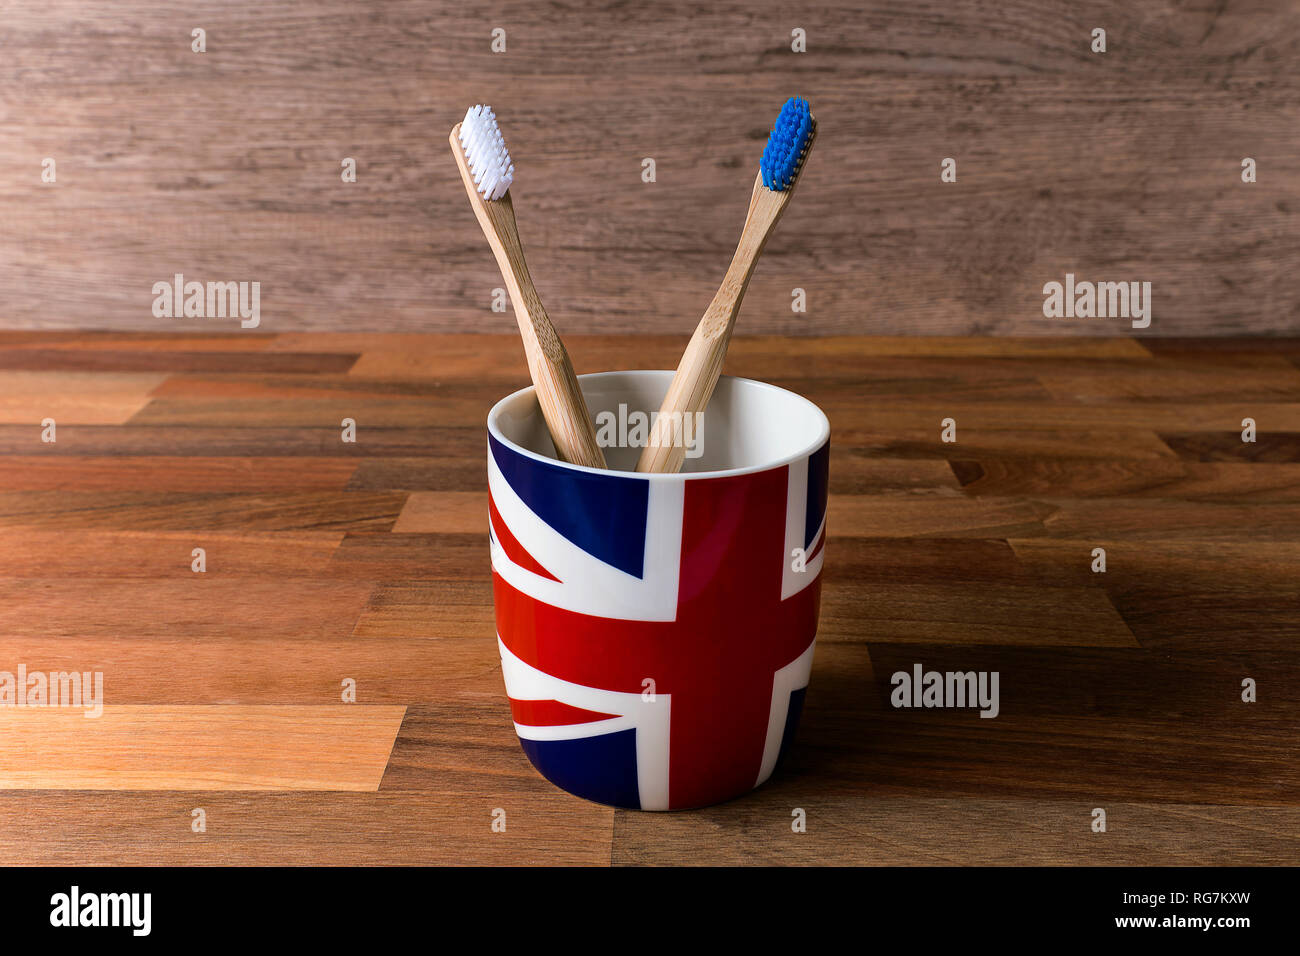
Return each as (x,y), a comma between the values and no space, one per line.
(487,172)
(697,374)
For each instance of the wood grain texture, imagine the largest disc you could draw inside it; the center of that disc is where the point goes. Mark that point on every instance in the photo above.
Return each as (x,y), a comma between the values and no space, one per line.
(183,602)
(29,397)
(878,831)
(225,165)
(332,829)
(162,473)
(368,561)
(233,747)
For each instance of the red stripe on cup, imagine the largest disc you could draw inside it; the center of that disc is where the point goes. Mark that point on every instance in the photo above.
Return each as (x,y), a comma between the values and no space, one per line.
(510,544)
(551,713)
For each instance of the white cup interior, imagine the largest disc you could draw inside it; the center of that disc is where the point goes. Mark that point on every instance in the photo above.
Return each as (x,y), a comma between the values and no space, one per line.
(748,425)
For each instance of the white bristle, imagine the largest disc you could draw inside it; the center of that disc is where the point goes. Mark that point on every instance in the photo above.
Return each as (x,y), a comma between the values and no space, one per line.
(486,153)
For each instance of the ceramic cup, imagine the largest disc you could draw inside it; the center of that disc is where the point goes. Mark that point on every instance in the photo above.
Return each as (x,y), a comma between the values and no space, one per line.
(656,631)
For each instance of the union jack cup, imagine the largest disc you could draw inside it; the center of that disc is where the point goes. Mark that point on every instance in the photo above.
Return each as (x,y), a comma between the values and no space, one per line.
(656,631)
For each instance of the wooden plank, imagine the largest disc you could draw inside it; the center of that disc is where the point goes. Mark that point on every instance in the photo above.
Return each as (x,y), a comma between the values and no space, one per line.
(271,440)
(127,510)
(426,660)
(456,608)
(444,512)
(490,357)
(98,339)
(976,613)
(66,360)
(162,473)
(500,357)
(888,516)
(1145,520)
(230,747)
(191,607)
(958,754)
(888,382)
(909,437)
(1232,599)
(858,471)
(937,346)
(846,829)
(308,411)
(420,474)
(1081,419)
(394,556)
(1270,380)
(1117,684)
(1129,478)
(202,387)
(1265,567)
(1238,350)
(885,561)
(81,553)
(1269,445)
(1252,631)
(852,740)
(72,398)
(431,826)
(467,743)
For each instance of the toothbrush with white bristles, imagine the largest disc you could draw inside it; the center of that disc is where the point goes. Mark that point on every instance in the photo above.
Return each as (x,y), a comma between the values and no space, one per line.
(487,172)
(783,160)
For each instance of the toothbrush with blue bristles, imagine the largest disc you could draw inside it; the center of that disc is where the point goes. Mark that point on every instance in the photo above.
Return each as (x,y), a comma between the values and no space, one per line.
(697,374)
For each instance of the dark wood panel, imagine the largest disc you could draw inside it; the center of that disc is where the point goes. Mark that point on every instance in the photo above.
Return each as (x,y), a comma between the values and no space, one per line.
(1268,446)
(981,612)
(225,165)
(1144,519)
(78,552)
(304,511)
(163,473)
(140,360)
(399,557)
(328,829)
(848,829)
(220,608)
(1147,478)
(266,441)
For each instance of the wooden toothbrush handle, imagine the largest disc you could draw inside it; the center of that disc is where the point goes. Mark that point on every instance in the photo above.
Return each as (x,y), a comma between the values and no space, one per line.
(692,386)
(558,394)
(572,430)
(701,365)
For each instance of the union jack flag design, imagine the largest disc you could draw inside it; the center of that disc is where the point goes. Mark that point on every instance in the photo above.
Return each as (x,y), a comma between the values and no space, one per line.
(606,582)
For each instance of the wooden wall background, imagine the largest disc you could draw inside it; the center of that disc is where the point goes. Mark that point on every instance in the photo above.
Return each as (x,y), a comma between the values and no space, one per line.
(225,165)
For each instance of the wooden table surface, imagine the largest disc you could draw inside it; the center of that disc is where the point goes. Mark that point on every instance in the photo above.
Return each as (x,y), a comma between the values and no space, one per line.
(328,561)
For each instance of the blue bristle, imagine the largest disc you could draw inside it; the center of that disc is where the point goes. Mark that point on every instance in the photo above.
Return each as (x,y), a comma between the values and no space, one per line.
(786,144)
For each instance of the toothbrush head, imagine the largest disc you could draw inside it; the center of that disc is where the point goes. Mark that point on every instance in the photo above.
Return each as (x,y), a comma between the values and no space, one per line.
(788,145)
(486,153)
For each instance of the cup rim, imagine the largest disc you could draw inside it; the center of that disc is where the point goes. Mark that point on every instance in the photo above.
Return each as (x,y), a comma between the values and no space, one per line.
(823,433)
